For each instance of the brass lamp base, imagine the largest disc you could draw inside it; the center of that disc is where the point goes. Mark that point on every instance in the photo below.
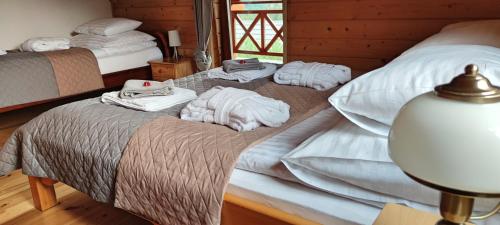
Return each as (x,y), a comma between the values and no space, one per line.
(455,209)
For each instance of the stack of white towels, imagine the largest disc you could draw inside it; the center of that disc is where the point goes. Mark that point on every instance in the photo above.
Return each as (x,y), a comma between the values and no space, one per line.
(149,96)
(242,110)
(243,70)
(112,36)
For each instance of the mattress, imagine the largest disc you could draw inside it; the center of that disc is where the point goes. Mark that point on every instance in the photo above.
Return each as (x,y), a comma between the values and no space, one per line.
(297,199)
(128,61)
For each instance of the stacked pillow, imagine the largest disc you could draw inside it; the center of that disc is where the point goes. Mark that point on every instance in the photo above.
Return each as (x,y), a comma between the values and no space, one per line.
(355,152)
(112,36)
(373,100)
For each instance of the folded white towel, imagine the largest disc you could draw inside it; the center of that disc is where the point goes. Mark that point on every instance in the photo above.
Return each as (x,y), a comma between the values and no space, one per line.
(243,76)
(146,88)
(242,110)
(320,76)
(2,52)
(150,104)
(42,44)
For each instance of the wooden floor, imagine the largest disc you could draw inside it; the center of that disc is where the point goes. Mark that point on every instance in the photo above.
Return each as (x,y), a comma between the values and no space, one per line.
(74,208)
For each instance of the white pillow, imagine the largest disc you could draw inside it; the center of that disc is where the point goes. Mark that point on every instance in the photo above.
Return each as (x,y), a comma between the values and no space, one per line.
(108,26)
(3,52)
(373,100)
(350,154)
(117,40)
(347,159)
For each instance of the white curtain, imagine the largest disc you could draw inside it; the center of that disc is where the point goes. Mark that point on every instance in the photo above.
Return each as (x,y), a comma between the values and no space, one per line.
(203,17)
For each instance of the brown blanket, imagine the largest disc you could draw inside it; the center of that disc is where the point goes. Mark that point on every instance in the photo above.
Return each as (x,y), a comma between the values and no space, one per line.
(175,172)
(76,71)
(29,76)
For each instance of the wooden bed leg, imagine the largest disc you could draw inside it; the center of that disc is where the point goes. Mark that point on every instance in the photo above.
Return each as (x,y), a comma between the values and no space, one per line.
(43,192)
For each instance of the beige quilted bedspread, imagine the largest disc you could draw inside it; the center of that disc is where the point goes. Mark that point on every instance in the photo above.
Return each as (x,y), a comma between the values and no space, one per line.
(76,71)
(175,172)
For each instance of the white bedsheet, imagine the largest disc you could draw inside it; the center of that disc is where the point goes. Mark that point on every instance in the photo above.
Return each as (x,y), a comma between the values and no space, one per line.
(128,61)
(265,157)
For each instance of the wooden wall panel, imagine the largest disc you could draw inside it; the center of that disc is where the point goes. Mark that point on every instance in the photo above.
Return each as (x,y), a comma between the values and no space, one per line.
(164,15)
(366,34)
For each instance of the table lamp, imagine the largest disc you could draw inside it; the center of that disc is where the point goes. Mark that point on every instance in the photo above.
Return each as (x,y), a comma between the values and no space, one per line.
(449,140)
(174,40)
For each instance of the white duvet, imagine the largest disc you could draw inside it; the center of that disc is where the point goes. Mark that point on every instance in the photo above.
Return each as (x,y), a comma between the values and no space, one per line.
(122,50)
(93,41)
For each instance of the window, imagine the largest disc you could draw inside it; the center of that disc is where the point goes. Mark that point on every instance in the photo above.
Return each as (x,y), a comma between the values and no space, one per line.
(257,29)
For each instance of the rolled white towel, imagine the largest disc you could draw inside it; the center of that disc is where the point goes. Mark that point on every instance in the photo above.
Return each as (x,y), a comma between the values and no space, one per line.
(242,110)
(42,44)
(243,76)
(320,76)
(3,52)
(150,104)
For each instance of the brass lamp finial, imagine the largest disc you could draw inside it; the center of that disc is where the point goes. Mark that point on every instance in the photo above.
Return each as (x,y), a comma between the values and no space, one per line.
(470,86)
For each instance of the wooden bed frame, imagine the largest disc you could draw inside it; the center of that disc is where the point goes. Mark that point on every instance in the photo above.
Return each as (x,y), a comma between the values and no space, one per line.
(235,210)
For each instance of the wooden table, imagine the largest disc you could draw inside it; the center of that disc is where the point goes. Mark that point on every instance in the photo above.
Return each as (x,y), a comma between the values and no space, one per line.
(171,69)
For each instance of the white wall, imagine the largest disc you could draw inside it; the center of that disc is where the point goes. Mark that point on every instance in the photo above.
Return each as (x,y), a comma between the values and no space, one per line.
(23,19)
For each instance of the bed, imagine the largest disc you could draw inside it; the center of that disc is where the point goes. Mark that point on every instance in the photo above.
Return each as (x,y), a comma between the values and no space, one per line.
(115,70)
(268,194)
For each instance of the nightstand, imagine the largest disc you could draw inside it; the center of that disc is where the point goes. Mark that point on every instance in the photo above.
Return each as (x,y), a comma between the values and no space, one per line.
(394,214)
(171,69)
